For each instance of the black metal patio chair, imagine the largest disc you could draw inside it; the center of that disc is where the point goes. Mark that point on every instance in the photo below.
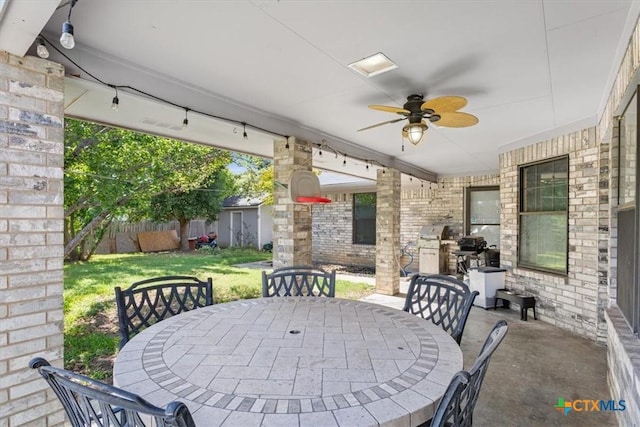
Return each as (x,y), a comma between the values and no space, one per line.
(456,406)
(444,300)
(88,402)
(299,281)
(150,301)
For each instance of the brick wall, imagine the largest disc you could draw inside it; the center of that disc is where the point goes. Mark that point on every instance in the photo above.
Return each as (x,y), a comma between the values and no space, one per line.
(440,203)
(291,221)
(622,345)
(623,366)
(31,226)
(571,301)
(387,231)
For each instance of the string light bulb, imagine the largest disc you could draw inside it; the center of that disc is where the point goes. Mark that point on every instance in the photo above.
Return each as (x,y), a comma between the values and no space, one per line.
(66,38)
(244,131)
(41,48)
(185,122)
(344,162)
(115,102)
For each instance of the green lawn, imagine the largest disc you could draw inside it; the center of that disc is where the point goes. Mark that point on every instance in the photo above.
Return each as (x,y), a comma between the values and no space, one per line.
(91,325)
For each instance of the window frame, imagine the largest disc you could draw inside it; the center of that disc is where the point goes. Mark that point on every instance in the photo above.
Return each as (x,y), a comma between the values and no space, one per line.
(467,208)
(628,291)
(521,195)
(355,222)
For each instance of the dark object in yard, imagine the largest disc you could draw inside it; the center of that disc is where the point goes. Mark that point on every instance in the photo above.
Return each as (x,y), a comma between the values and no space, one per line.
(444,300)
(150,301)
(88,402)
(210,240)
(459,400)
(299,281)
(525,302)
(267,247)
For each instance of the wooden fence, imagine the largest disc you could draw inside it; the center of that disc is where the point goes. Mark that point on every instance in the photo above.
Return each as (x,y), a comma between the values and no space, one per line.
(122,236)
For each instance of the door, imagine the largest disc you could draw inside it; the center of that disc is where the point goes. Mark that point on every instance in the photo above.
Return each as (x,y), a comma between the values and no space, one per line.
(237,229)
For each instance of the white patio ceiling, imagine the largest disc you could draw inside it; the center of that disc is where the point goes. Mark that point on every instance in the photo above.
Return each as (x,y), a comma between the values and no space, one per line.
(529,69)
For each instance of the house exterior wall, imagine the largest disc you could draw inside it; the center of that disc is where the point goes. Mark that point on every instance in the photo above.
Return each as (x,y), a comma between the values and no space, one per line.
(31,233)
(572,301)
(438,203)
(622,345)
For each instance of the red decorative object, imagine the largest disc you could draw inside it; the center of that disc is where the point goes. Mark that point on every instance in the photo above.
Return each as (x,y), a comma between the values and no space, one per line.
(301,199)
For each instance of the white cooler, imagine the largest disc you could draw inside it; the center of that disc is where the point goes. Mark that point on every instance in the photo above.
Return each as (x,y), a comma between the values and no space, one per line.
(486,280)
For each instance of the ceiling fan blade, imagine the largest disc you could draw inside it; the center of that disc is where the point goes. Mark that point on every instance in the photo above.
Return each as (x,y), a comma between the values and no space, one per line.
(388,109)
(380,124)
(444,104)
(456,119)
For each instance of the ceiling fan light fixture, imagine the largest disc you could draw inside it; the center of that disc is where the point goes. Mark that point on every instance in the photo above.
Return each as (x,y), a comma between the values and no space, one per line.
(373,65)
(414,132)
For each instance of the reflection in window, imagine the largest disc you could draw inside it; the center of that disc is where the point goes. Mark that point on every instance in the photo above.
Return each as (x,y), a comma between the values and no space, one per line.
(544,201)
(364,218)
(483,214)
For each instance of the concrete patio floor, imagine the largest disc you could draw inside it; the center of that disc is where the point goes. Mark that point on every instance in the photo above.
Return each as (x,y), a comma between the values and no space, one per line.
(535,365)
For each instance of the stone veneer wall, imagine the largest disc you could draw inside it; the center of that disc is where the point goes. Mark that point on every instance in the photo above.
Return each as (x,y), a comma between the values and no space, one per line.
(440,203)
(571,301)
(31,236)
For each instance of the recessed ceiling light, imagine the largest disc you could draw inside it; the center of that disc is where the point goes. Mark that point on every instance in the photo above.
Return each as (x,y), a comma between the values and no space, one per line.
(373,65)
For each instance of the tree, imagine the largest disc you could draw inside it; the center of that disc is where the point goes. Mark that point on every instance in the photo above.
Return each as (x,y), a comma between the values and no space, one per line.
(114,173)
(251,182)
(184,206)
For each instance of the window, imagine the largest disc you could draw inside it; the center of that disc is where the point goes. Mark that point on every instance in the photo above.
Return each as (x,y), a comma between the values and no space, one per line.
(364,218)
(483,214)
(628,254)
(543,216)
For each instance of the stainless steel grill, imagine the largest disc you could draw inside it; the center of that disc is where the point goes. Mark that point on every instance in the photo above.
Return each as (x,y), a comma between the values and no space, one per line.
(433,254)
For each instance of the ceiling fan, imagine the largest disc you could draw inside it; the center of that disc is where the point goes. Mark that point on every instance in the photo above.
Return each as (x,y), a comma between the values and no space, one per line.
(443,111)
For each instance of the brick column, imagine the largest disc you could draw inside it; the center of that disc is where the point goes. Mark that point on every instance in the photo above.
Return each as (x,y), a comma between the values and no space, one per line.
(388,232)
(291,221)
(31,236)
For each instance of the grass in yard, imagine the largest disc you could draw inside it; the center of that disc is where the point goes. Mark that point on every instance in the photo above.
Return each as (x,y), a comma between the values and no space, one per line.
(91,321)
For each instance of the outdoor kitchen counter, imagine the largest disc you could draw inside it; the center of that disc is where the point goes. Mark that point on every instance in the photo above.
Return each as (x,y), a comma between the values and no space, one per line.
(293,361)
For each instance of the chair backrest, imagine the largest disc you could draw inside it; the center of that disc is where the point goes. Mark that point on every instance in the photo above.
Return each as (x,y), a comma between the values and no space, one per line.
(444,300)
(299,281)
(88,402)
(459,400)
(150,301)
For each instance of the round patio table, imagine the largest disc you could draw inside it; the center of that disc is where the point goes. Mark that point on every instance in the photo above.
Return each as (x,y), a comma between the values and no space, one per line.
(293,361)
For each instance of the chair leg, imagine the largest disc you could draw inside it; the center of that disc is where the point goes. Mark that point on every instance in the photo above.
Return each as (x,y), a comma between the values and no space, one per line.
(534,313)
